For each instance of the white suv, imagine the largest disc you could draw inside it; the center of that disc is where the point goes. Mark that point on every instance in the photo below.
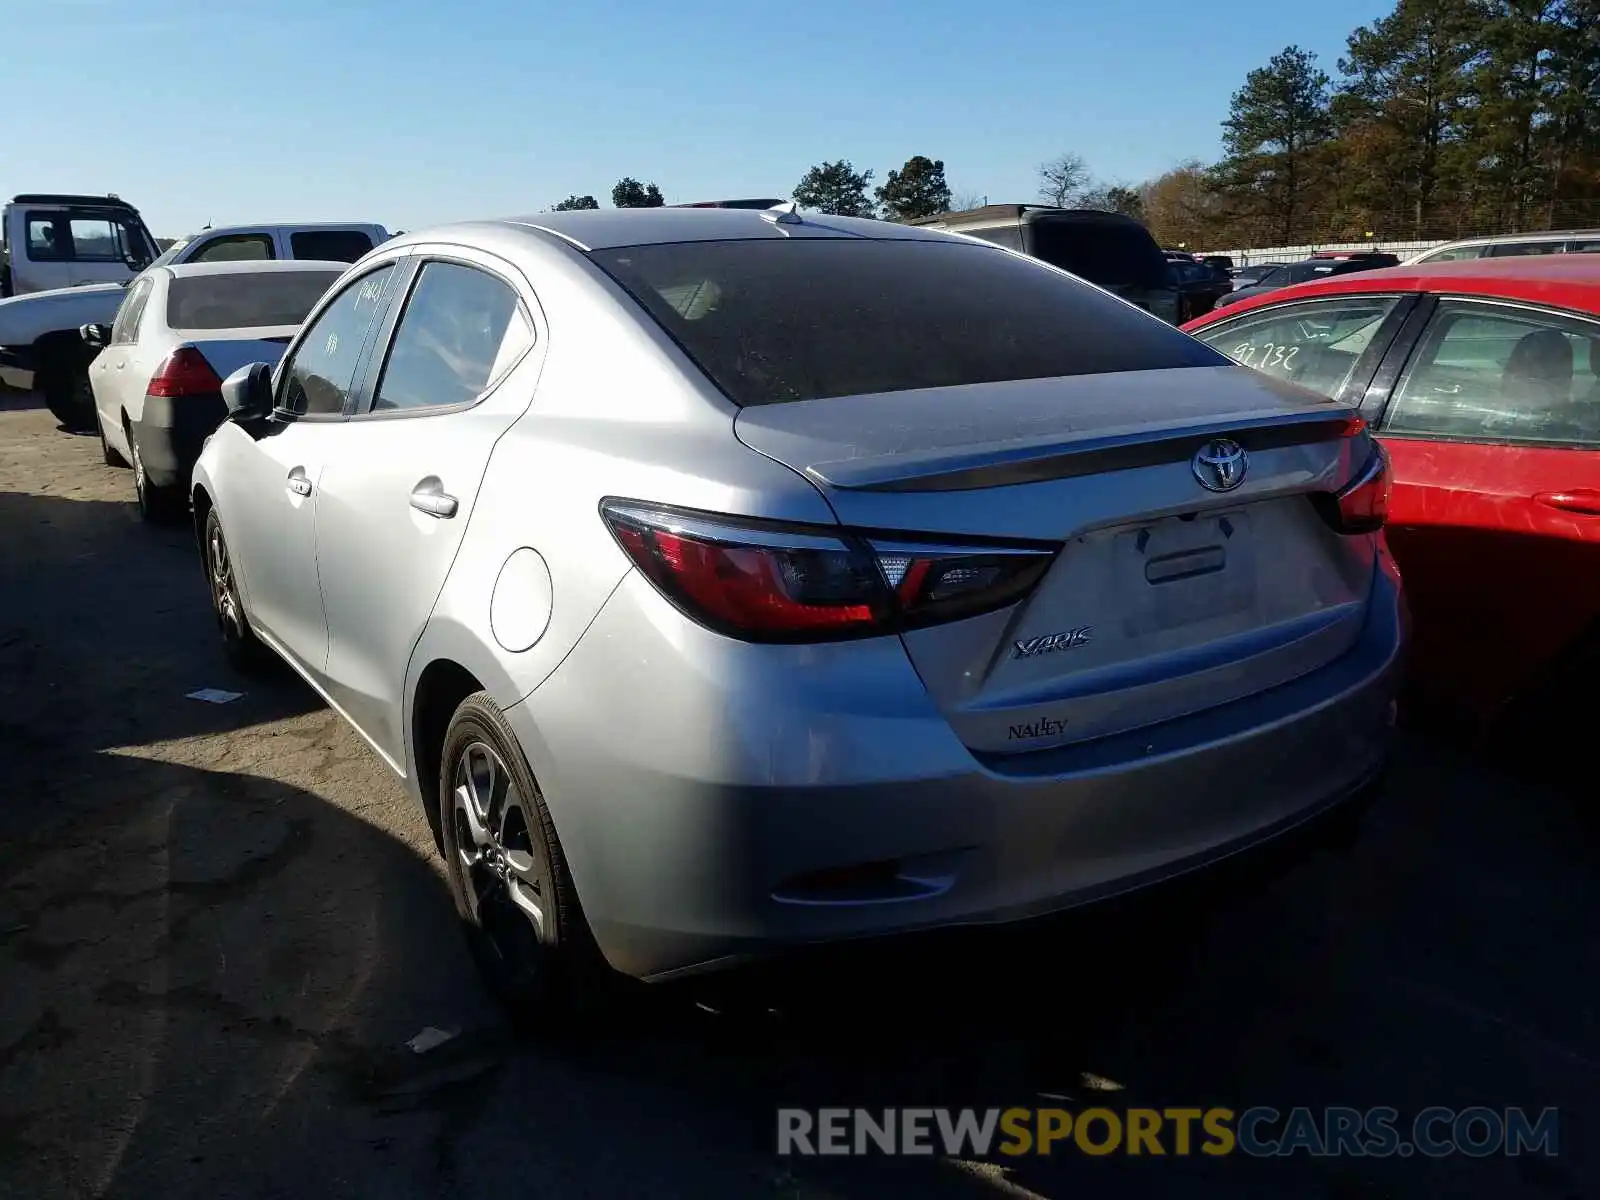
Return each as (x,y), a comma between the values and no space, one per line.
(1511,245)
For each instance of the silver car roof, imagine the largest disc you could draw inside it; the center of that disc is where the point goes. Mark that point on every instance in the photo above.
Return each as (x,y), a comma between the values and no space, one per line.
(610,228)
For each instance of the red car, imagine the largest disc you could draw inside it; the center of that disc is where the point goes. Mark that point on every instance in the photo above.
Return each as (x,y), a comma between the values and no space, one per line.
(1482,380)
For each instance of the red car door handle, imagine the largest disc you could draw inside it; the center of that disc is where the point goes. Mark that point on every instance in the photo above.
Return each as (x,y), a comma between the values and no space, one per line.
(1581,500)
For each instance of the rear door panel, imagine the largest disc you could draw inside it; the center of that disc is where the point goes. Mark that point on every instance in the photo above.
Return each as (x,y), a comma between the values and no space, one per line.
(1493,536)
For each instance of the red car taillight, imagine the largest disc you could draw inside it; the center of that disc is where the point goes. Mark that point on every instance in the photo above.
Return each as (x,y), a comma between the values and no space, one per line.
(1362,505)
(766,582)
(184,372)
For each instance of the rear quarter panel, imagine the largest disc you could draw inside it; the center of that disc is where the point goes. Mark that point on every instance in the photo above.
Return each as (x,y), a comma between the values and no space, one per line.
(616,411)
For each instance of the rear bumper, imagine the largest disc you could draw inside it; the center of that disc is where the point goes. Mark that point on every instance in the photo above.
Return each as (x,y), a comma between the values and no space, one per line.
(172,431)
(752,799)
(18,365)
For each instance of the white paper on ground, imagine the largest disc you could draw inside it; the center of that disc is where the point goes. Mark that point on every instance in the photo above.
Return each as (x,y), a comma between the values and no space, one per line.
(215,696)
(430,1038)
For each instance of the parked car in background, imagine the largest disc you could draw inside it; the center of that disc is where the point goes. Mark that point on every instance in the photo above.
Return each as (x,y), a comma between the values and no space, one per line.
(39,342)
(1513,245)
(157,376)
(1366,259)
(1288,274)
(1482,379)
(1221,262)
(50,241)
(1134,614)
(319,241)
(1108,249)
(1244,277)
(1200,285)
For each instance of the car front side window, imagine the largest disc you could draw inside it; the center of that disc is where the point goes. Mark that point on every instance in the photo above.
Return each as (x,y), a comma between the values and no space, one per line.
(241,247)
(319,373)
(1315,344)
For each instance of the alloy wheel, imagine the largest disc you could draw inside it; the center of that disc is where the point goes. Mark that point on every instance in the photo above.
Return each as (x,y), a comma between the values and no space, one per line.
(224,594)
(504,879)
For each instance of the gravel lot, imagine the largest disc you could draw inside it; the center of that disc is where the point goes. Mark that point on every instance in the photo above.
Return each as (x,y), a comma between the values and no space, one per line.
(219,925)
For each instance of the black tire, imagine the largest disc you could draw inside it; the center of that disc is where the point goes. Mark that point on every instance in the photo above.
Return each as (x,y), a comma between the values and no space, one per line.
(107,455)
(64,380)
(499,840)
(157,505)
(244,650)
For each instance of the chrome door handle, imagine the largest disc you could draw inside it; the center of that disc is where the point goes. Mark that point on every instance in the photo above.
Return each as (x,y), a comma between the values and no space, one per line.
(299,484)
(430,497)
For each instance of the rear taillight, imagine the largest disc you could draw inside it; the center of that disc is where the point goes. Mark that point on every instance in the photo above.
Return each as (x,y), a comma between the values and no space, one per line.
(184,372)
(773,583)
(1362,505)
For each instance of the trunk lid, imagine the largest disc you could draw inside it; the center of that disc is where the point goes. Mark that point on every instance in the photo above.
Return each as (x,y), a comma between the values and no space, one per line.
(229,349)
(1165,598)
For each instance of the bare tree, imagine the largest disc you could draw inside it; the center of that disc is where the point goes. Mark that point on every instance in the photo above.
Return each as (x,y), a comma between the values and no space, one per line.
(962,201)
(1063,179)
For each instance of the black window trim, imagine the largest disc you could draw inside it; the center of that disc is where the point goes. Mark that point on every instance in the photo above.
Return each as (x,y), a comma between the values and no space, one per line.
(370,376)
(1404,350)
(279,381)
(1359,381)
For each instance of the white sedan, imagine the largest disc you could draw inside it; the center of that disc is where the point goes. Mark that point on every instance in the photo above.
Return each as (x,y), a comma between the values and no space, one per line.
(181,329)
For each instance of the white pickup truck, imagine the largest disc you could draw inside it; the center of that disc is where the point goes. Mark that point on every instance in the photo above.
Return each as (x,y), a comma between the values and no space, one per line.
(68,261)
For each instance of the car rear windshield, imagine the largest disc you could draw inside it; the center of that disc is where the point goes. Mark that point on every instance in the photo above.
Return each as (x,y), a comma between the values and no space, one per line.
(771,321)
(1312,268)
(245,300)
(1113,254)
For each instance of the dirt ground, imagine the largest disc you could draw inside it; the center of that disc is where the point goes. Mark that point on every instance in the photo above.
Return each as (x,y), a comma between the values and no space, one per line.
(220,925)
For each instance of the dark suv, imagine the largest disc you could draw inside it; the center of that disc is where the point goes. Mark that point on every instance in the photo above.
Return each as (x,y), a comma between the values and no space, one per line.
(1108,249)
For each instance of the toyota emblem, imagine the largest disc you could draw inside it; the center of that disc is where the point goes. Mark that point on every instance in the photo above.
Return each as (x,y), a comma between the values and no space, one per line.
(1220,465)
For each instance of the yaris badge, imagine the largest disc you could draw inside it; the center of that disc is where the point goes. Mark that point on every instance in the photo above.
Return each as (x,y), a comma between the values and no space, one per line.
(1220,465)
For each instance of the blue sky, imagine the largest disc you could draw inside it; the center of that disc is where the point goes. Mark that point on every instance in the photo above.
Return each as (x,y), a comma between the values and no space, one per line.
(411,113)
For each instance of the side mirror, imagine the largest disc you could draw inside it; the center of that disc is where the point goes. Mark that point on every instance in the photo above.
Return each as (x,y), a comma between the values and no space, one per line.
(247,393)
(98,336)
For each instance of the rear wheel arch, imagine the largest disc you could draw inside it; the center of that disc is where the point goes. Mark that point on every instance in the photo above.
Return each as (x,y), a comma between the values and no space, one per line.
(441,687)
(201,505)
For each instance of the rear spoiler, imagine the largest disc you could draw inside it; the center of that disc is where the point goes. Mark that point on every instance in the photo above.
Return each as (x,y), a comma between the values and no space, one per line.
(1057,458)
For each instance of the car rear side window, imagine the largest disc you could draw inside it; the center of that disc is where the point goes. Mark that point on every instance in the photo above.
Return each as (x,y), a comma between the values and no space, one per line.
(330,245)
(245,300)
(125,328)
(1519,249)
(1484,373)
(1108,253)
(320,371)
(771,321)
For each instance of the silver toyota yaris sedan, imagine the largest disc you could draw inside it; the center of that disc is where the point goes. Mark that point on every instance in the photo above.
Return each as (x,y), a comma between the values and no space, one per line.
(723,580)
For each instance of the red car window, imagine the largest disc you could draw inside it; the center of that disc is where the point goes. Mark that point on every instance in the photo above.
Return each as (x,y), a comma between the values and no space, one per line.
(1502,374)
(1316,344)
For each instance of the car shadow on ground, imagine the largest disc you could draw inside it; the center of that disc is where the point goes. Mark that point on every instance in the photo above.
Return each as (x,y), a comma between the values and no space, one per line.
(210,973)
